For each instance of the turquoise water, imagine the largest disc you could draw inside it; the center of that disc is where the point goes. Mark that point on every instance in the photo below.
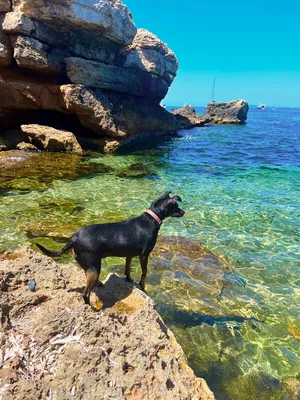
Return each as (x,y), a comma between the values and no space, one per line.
(240,189)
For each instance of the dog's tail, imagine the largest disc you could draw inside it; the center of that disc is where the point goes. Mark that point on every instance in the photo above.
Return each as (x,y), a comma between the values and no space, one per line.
(50,253)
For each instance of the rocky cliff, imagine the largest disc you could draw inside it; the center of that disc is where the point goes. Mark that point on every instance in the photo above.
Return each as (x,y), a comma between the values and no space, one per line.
(53,346)
(82,66)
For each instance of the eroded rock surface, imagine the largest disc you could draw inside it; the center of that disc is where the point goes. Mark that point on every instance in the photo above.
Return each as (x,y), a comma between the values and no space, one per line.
(50,139)
(148,53)
(188,117)
(85,59)
(55,346)
(228,113)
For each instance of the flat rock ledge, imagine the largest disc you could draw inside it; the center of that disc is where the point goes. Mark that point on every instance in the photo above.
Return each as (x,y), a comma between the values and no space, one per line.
(54,346)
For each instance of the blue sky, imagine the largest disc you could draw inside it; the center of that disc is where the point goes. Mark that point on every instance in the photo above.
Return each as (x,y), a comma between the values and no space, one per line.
(252,48)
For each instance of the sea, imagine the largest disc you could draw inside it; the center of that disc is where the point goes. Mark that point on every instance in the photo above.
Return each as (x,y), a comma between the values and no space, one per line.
(240,188)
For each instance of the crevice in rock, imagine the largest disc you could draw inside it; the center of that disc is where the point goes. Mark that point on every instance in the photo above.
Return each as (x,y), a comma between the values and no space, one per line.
(13,120)
(14,72)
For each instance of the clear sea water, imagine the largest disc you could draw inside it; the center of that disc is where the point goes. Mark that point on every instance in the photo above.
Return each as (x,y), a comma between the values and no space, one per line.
(240,186)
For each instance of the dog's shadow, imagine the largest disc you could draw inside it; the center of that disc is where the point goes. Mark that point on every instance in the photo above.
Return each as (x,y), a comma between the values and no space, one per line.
(112,291)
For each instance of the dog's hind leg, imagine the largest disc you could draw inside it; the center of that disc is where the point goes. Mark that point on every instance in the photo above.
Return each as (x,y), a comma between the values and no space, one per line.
(144,264)
(92,268)
(127,269)
(92,276)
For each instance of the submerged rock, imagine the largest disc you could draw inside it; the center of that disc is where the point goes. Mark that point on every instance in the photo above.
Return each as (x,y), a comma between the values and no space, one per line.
(125,350)
(232,112)
(137,170)
(22,168)
(192,277)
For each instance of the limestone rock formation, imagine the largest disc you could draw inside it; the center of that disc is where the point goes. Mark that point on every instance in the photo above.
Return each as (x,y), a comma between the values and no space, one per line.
(228,113)
(54,346)
(50,139)
(116,79)
(86,60)
(188,117)
(110,17)
(148,53)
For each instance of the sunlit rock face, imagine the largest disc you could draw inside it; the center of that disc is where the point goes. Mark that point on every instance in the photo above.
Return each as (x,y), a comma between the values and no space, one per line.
(50,47)
(108,17)
(120,344)
(148,53)
(231,112)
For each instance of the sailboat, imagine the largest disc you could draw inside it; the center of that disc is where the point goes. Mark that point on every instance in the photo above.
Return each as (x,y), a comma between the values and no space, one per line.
(213,91)
(261,106)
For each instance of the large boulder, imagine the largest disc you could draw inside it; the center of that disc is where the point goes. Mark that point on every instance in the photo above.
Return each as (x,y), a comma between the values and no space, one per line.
(228,113)
(50,139)
(17,22)
(55,345)
(148,53)
(32,54)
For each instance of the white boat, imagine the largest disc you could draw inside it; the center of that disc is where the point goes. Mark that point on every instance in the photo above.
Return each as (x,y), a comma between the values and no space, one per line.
(261,106)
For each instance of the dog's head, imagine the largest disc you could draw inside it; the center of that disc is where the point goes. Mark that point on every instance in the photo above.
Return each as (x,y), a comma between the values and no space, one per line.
(167,206)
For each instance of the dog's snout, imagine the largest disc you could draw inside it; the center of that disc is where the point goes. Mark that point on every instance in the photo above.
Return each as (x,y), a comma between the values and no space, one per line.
(182,213)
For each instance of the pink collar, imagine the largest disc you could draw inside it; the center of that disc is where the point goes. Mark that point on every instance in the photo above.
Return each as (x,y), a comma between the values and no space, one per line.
(157,219)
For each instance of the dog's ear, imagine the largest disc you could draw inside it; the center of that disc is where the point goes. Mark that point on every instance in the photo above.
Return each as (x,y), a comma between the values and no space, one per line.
(167,194)
(174,199)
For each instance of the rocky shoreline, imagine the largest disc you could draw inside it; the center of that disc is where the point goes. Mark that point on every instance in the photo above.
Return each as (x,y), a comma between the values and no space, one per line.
(54,346)
(85,66)
(84,69)
(76,75)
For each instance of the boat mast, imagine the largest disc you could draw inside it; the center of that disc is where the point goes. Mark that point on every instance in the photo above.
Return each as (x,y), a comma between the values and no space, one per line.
(213,90)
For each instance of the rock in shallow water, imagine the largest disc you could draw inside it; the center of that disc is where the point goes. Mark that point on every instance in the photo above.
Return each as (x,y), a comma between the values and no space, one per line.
(228,113)
(50,139)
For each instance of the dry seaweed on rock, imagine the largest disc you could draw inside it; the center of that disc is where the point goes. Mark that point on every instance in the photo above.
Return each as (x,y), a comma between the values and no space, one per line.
(55,346)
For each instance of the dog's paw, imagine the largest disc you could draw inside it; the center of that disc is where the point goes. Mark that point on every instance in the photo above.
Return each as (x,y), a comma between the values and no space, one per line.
(129,279)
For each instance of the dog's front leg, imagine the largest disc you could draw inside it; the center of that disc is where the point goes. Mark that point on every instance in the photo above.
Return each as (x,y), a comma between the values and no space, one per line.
(144,264)
(127,269)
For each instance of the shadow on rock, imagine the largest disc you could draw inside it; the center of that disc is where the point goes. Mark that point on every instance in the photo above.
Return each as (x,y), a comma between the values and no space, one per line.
(115,293)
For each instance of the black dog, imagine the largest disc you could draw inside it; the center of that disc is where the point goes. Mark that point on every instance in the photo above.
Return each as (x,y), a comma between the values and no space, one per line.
(134,237)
